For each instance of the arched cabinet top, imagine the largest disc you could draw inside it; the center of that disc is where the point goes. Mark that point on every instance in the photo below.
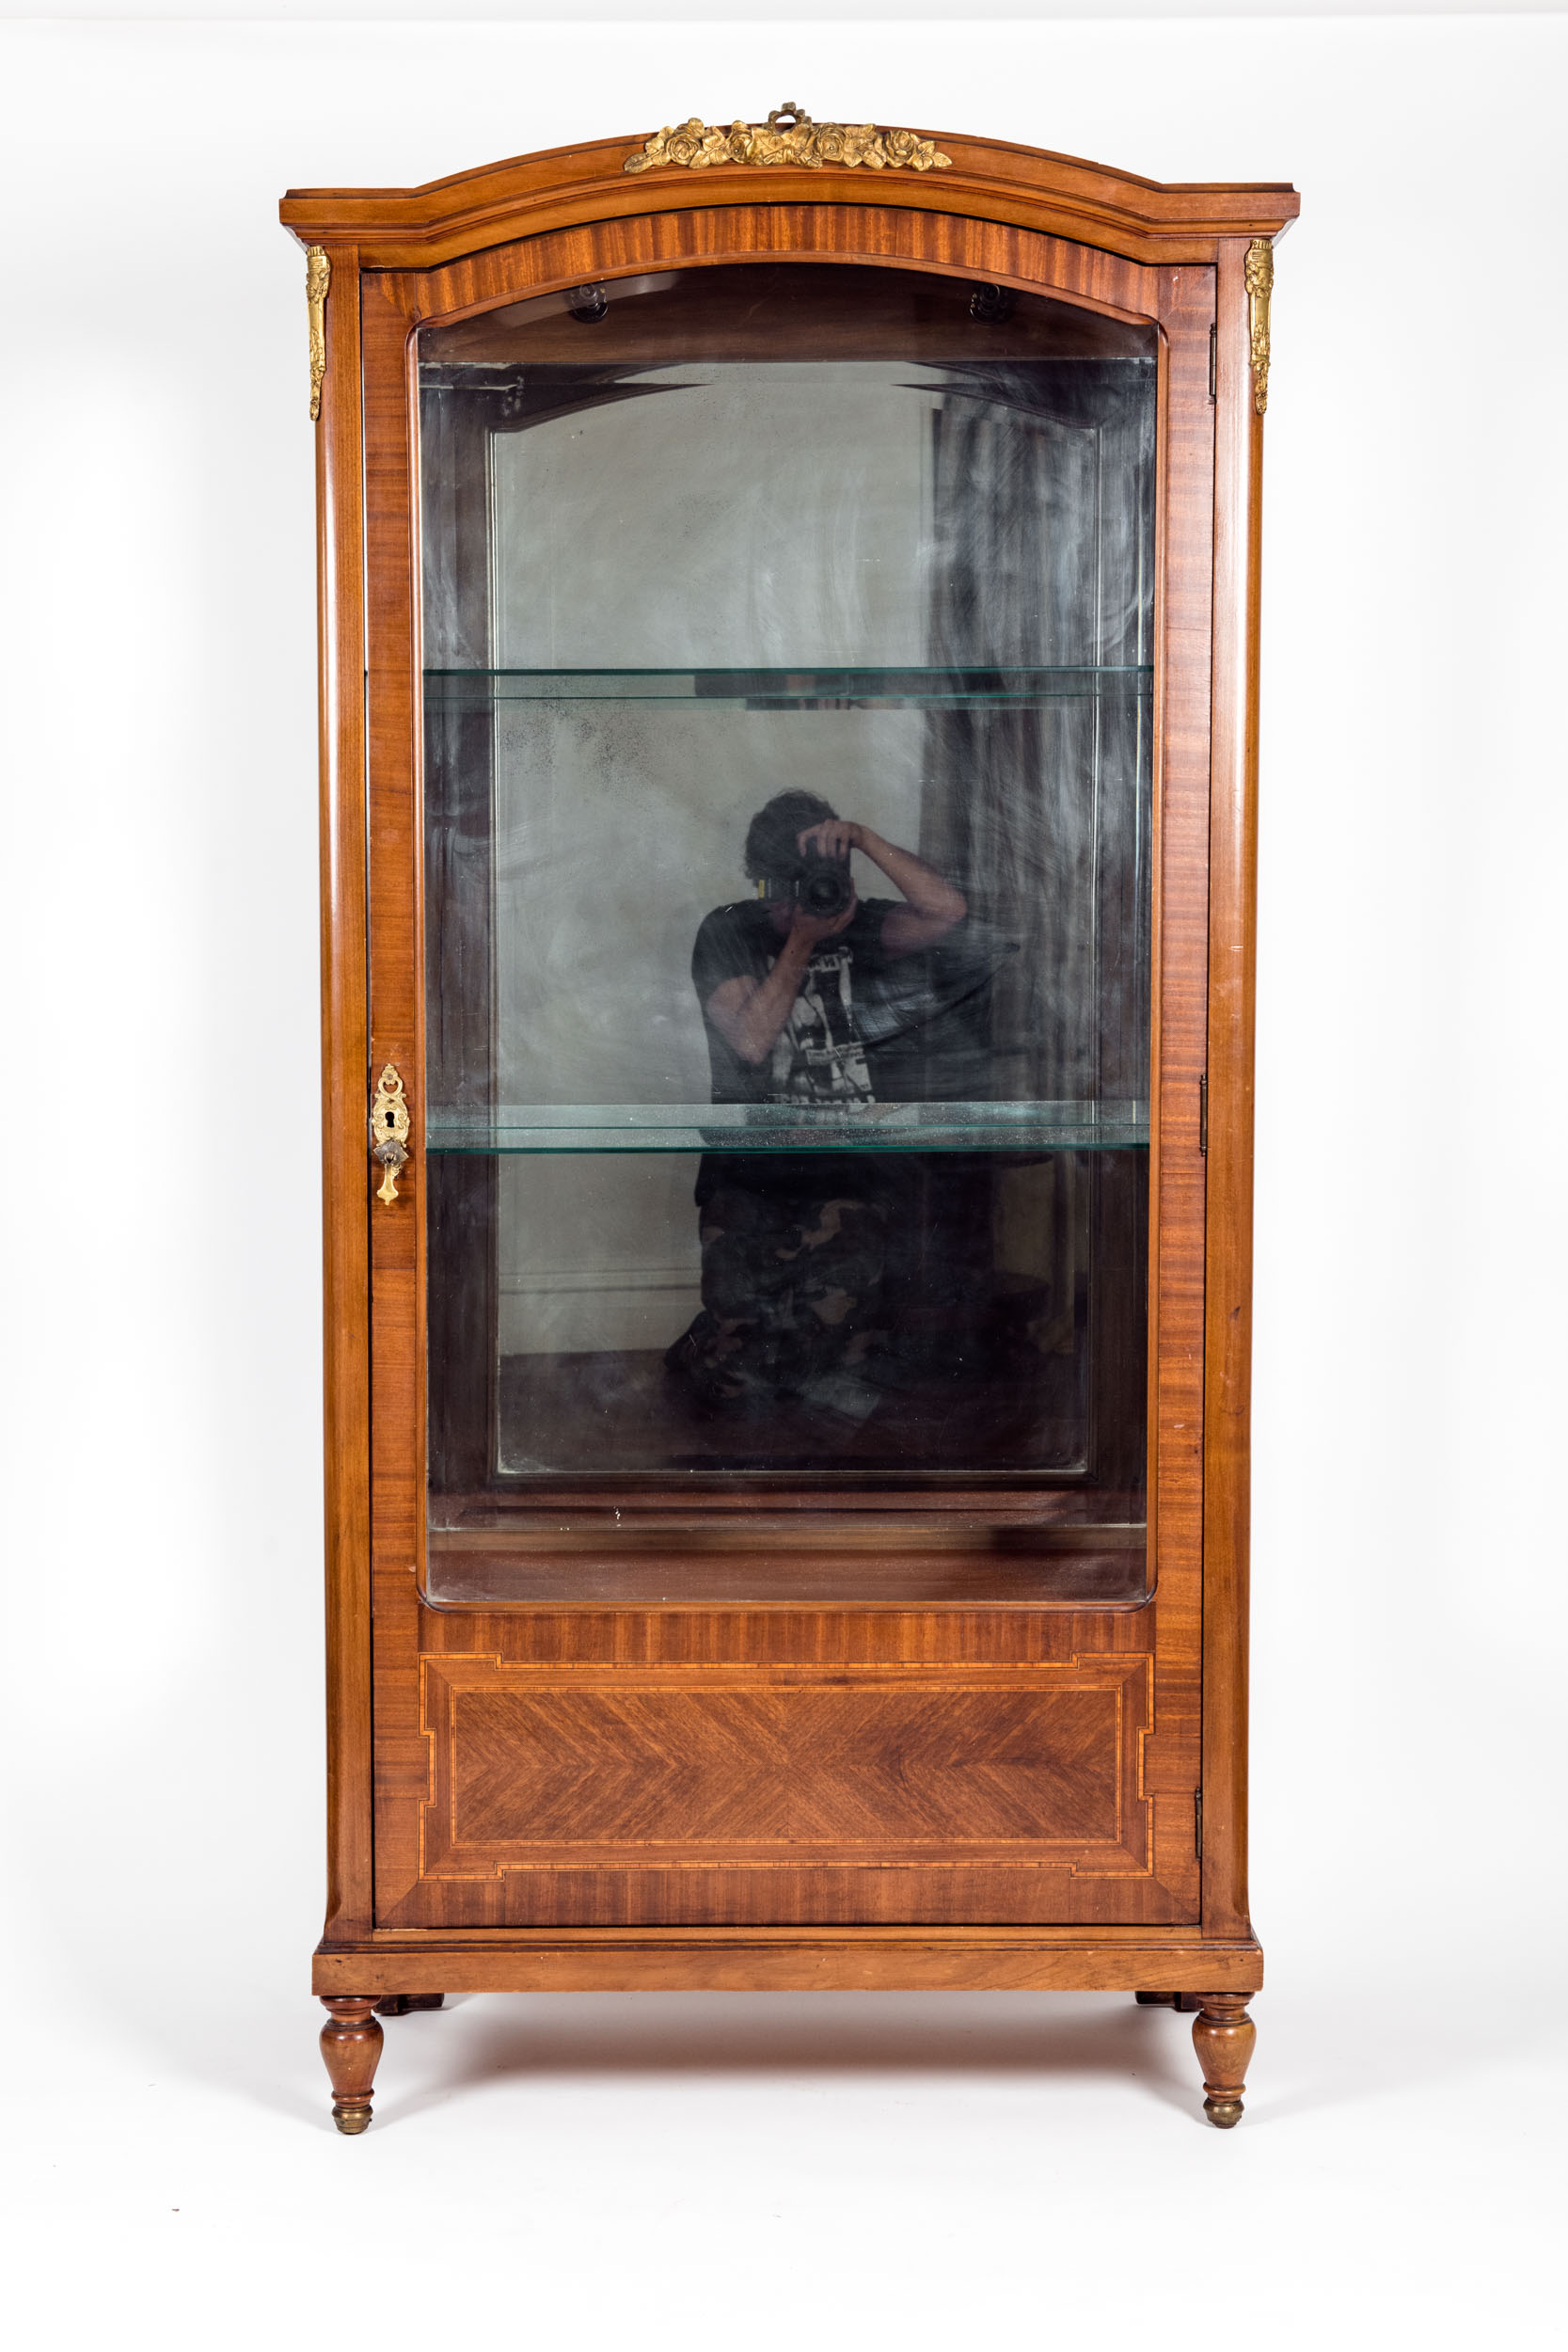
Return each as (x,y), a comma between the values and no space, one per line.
(399,228)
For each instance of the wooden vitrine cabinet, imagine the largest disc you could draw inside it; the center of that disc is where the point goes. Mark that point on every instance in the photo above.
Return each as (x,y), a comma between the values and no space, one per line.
(788,623)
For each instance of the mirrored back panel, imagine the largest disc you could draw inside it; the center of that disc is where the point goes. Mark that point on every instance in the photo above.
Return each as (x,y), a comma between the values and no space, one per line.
(788,647)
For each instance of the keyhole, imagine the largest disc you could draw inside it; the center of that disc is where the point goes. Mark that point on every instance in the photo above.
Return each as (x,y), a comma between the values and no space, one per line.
(391,1119)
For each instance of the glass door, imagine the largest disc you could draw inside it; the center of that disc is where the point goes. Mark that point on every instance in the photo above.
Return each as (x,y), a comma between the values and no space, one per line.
(788,652)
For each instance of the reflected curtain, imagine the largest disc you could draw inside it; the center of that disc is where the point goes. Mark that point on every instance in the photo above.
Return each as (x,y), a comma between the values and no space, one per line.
(1041,556)
(1042,485)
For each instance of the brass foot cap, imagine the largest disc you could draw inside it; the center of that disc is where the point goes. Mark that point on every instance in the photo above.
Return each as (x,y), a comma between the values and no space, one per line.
(352,2120)
(1224,2114)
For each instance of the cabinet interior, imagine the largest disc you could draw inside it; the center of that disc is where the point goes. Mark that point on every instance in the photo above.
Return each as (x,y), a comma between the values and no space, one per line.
(667,574)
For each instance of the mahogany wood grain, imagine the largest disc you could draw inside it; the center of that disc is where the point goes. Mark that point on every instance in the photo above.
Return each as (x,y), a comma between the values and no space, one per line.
(344,1110)
(872,235)
(1062,195)
(1232,960)
(792,1959)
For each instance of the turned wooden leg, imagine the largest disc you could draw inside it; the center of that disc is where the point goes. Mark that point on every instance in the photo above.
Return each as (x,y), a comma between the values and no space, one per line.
(1223,2036)
(404,2004)
(351,2044)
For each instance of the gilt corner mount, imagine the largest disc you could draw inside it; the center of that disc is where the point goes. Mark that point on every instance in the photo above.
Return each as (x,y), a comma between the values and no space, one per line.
(1259,287)
(789,136)
(318,277)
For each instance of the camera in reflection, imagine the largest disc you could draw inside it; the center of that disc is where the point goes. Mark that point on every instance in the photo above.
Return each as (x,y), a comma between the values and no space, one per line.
(819,886)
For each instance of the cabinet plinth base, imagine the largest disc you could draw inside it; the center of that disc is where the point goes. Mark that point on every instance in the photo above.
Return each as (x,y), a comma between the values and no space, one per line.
(404,1963)
(779,1960)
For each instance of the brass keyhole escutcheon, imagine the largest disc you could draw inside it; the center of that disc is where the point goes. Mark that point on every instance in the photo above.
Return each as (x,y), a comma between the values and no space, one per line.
(390,1124)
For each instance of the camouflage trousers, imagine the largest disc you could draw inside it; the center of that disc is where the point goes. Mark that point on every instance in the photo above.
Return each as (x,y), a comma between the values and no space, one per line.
(792,1288)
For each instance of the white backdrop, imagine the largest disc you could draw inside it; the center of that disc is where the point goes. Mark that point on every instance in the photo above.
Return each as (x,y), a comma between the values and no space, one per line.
(836,2169)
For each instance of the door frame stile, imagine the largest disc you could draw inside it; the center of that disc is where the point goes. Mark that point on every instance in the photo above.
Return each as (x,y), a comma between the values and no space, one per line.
(345,1060)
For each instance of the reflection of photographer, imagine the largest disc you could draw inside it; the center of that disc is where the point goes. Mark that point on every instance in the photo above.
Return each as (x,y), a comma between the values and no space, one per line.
(781,979)
(795,1244)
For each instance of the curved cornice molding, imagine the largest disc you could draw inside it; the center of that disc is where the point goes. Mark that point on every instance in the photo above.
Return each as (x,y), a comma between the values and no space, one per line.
(1060,196)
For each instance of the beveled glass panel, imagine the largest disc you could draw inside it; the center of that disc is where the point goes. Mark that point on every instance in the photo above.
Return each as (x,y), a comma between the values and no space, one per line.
(763,1155)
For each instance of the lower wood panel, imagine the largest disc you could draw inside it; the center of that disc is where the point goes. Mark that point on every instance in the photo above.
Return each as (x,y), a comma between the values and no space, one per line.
(593,1794)
(538,1766)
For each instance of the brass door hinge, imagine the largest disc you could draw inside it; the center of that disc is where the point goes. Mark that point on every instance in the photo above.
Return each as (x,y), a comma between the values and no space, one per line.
(1197,1822)
(1203,1115)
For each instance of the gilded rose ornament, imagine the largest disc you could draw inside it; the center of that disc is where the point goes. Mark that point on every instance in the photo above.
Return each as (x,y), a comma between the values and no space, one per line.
(789,136)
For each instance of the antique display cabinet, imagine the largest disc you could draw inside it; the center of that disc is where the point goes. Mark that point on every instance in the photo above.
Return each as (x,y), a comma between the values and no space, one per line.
(788,621)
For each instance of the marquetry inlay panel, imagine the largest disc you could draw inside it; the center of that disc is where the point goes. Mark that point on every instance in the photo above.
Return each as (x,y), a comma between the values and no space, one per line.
(557,1768)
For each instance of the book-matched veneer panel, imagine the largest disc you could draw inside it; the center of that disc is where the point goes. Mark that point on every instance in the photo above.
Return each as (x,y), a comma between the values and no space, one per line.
(542,1766)
(688,1767)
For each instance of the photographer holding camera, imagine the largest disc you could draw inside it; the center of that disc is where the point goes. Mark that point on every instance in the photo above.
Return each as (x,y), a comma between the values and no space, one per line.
(794,1244)
(776,976)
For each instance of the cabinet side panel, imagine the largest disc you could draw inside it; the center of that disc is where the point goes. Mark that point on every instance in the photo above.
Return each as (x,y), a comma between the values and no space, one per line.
(1234,855)
(347,1337)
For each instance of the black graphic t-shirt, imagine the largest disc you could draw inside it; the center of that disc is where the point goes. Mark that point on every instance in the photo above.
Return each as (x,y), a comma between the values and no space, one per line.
(866,1027)
(820,1055)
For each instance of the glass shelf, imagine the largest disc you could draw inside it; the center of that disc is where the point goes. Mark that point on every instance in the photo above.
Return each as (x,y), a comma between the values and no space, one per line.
(967,688)
(784,1127)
